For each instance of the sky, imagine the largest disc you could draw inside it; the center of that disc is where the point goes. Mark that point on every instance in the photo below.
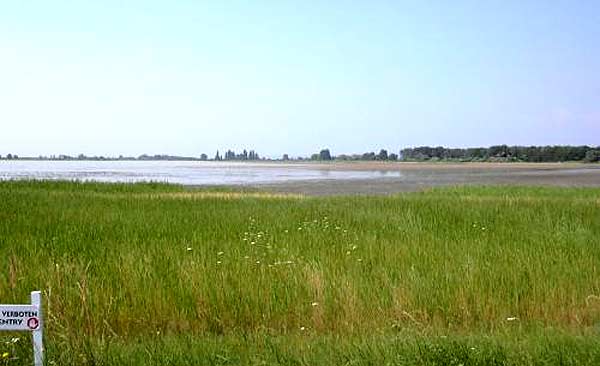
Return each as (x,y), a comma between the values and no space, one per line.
(190,77)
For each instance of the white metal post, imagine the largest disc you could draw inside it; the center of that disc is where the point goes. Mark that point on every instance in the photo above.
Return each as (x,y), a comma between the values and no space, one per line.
(38,343)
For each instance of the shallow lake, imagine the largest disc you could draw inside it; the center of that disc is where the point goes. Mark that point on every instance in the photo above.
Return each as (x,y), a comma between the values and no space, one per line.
(181,172)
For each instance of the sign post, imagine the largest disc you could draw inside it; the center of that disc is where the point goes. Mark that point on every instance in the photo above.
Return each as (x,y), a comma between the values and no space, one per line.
(26,318)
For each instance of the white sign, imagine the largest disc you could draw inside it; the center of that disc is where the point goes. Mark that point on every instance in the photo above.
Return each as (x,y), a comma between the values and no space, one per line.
(19,317)
(29,318)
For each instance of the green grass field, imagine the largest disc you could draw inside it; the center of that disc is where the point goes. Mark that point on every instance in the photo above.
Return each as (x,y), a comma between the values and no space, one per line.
(153,274)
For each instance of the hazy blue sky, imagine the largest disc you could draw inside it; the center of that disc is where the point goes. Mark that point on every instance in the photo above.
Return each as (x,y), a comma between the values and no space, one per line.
(185,77)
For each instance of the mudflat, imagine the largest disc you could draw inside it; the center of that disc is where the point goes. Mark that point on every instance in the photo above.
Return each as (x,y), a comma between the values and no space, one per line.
(409,176)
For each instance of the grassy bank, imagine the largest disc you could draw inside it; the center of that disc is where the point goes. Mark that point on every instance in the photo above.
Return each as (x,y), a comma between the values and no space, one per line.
(157,274)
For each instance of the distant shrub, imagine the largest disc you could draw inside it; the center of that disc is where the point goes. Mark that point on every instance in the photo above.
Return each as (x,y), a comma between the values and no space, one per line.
(592,156)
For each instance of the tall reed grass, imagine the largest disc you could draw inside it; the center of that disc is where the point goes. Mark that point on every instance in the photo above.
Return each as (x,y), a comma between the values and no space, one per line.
(125,266)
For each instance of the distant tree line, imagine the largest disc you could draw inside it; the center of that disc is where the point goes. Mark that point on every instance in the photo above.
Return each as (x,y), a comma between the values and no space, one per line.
(383,155)
(111,158)
(504,153)
(243,156)
(165,157)
(493,153)
(325,155)
(229,155)
(558,153)
(369,156)
(10,156)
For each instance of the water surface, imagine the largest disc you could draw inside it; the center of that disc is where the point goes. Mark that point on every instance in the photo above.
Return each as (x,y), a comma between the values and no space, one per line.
(181,172)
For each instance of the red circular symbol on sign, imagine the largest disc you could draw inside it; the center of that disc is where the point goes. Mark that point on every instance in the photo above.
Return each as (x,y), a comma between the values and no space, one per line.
(33,323)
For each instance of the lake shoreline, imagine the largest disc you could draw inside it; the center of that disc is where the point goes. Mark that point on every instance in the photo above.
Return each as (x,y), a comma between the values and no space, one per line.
(421,176)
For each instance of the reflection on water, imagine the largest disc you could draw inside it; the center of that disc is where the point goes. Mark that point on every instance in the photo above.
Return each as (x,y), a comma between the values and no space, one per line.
(387,173)
(182,172)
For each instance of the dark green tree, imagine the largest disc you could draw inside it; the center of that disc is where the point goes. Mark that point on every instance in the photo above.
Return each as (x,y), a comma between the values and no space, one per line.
(592,156)
(324,154)
(368,156)
(383,155)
